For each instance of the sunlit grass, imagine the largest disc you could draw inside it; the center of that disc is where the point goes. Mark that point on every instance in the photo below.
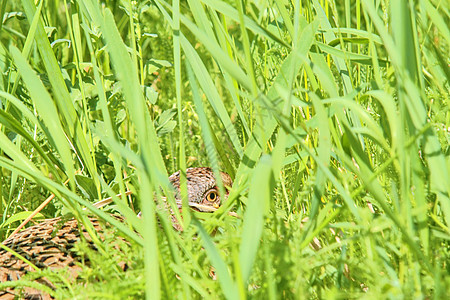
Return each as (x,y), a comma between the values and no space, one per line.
(331,117)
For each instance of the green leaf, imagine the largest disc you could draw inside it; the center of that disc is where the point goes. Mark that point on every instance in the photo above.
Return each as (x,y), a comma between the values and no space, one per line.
(259,198)
(19,217)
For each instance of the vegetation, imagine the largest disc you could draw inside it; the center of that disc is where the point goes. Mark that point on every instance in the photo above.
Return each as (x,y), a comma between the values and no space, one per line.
(332,117)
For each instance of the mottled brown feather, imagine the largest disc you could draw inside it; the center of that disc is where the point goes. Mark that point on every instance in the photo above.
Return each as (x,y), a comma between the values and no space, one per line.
(50,243)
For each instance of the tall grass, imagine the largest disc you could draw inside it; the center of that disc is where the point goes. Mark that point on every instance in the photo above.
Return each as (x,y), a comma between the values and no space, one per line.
(331,117)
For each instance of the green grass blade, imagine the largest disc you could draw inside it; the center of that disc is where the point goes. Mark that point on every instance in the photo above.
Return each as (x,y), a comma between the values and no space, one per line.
(62,97)
(258,205)
(46,110)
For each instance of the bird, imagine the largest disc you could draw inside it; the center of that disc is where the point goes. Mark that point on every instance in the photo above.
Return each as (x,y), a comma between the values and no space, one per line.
(50,243)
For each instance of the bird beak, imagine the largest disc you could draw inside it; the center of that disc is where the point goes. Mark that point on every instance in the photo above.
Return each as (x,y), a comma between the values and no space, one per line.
(200,207)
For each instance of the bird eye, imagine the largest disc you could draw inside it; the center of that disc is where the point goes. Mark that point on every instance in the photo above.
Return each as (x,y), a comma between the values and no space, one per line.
(211,196)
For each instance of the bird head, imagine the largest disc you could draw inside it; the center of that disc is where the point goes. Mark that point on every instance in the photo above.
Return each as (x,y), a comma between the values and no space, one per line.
(203,192)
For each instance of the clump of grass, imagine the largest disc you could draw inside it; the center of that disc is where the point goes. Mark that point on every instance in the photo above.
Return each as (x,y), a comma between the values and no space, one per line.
(331,118)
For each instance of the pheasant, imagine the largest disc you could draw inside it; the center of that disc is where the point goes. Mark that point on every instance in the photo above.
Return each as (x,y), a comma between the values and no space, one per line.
(50,244)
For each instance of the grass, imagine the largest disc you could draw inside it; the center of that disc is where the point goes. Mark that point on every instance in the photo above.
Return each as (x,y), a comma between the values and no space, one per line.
(331,116)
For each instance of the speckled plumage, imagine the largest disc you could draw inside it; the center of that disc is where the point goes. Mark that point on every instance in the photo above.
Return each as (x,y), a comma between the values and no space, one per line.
(50,243)
(200,184)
